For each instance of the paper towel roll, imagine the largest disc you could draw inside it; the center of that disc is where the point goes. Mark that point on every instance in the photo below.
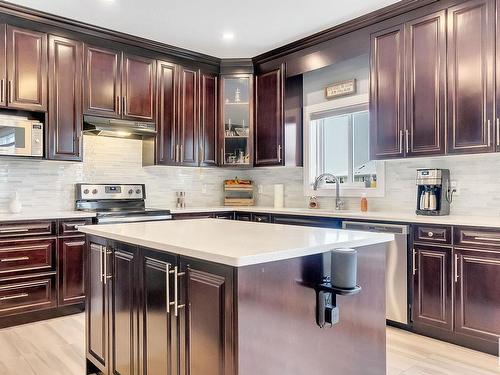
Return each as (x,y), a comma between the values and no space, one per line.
(279,195)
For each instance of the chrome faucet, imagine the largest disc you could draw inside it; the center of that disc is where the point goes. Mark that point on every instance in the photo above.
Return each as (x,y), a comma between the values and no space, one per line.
(339,203)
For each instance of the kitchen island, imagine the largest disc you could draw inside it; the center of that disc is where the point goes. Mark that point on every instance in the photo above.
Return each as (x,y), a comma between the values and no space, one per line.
(217,297)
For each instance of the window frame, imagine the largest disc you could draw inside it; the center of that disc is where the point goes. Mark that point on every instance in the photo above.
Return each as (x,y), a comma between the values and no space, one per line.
(333,108)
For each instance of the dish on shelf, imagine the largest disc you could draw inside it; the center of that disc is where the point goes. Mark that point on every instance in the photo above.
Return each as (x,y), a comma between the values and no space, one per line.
(242,132)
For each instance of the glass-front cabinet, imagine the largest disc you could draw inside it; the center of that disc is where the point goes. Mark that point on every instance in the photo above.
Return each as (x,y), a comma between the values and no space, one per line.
(236,120)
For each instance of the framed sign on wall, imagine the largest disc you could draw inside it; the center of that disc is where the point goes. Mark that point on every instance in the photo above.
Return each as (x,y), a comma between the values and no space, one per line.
(340,89)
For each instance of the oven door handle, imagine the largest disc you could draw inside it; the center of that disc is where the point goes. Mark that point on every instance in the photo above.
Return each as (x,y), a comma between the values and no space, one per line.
(131,219)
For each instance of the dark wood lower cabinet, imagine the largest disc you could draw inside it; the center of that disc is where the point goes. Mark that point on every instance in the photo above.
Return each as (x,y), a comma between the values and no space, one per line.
(71,270)
(432,286)
(477,294)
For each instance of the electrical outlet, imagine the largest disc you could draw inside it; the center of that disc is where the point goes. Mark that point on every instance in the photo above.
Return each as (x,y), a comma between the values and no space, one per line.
(260,189)
(454,187)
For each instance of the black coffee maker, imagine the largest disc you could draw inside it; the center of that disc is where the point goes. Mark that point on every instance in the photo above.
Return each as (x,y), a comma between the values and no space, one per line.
(433,192)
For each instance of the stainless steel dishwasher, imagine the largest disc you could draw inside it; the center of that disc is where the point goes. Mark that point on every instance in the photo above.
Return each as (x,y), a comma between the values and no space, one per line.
(396,279)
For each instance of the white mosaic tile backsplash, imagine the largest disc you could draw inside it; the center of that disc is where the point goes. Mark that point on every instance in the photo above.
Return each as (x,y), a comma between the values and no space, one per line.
(49,185)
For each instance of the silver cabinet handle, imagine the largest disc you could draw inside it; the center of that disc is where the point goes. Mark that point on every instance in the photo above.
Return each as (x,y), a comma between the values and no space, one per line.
(489,132)
(182,153)
(118,105)
(414,262)
(407,141)
(101,259)
(222,161)
(176,153)
(279,153)
(14,259)
(105,254)
(498,131)
(9,92)
(2,90)
(124,105)
(175,302)
(167,286)
(14,230)
(14,296)
(400,141)
(456,267)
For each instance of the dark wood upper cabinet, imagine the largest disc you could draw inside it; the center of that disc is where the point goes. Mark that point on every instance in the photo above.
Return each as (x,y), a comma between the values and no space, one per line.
(26,69)
(188,117)
(209,118)
(166,123)
(102,89)
(432,286)
(3,65)
(387,93)
(138,87)
(477,297)
(471,38)
(65,99)
(71,270)
(269,127)
(426,85)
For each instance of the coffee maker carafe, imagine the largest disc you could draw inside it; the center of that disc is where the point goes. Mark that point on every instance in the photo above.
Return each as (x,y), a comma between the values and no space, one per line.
(433,192)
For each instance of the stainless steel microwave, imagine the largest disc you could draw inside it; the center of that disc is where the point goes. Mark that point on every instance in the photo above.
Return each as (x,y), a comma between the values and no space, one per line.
(20,137)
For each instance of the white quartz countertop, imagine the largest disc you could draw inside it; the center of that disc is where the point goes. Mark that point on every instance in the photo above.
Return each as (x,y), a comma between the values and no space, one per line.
(44,215)
(387,216)
(235,243)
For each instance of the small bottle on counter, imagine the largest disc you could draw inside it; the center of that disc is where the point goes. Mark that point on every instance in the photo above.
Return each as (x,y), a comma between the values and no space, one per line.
(364,203)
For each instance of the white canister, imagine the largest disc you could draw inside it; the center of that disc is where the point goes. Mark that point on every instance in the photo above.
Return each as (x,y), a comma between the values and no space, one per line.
(279,195)
(15,205)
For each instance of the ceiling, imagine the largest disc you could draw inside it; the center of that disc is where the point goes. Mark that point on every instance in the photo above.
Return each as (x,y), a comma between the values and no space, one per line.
(258,26)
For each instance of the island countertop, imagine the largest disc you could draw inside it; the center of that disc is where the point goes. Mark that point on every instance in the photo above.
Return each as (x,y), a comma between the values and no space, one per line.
(234,243)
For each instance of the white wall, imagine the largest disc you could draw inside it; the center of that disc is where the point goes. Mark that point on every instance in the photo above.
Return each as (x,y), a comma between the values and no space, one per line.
(45,185)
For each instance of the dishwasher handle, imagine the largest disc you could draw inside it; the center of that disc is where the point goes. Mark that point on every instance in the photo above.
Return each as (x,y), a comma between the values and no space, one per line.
(375,227)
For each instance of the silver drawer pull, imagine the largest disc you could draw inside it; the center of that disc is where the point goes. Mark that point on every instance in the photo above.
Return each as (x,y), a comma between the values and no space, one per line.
(14,230)
(14,259)
(14,296)
(430,234)
(487,239)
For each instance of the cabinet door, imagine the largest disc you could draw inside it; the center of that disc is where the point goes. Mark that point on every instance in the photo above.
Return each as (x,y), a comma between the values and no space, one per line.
(432,286)
(167,97)
(96,310)
(124,311)
(102,83)
(387,93)
(3,65)
(269,127)
(208,126)
(65,99)
(138,88)
(26,69)
(470,76)
(159,343)
(207,333)
(71,270)
(425,85)
(477,294)
(188,121)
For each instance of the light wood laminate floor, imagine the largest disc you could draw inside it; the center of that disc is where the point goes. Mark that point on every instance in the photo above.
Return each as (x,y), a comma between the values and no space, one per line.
(56,347)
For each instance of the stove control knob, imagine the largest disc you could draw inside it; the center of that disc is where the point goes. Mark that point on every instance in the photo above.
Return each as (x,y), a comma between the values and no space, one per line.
(86,191)
(130,191)
(94,191)
(138,191)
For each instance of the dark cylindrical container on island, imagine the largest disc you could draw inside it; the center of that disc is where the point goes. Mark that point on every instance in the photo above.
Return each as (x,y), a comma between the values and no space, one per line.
(344,268)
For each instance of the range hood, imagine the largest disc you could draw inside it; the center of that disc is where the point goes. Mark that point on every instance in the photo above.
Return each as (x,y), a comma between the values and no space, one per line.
(117,128)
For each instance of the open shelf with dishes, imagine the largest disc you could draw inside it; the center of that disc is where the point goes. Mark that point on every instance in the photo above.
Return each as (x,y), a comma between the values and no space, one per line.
(236,120)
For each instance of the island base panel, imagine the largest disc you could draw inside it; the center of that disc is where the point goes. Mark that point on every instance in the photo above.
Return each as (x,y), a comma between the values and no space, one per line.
(277,330)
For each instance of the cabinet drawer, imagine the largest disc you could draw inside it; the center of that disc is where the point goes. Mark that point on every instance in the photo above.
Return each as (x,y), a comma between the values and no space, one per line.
(243,216)
(224,215)
(480,238)
(432,233)
(22,256)
(22,229)
(70,227)
(27,295)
